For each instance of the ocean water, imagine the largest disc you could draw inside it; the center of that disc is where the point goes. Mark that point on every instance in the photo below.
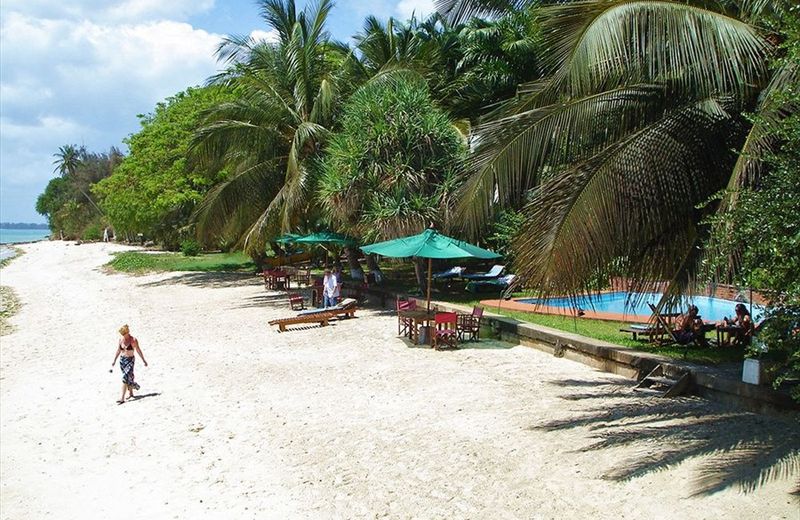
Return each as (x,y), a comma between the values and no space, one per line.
(13,236)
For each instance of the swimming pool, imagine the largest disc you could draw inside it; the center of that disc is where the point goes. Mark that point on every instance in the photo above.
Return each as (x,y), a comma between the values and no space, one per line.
(711,309)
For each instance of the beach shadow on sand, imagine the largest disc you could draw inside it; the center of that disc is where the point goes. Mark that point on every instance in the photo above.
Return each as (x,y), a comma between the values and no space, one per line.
(262,300)
(139,397)
(741,449)
(214,280)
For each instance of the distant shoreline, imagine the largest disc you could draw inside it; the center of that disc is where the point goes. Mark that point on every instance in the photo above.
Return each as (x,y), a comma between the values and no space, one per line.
(22,225)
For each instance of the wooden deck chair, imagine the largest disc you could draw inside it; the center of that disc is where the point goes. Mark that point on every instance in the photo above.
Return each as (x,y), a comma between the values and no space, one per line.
(673,338)
(296,301)
(404,325)
(303,276)
(470,324)
(446,330)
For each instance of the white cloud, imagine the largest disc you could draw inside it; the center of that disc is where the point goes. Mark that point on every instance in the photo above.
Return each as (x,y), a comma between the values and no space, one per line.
(268,36)
(83,82)
(420,8)
(103,11)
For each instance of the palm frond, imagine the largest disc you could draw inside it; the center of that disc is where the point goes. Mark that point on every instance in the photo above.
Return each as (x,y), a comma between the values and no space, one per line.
(772,109)
(513,154)
(634,200)
(460,11)
(600,43)
(281,15)
(250,188)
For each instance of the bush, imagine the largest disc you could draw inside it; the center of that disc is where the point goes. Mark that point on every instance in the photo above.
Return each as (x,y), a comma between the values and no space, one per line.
(92,232)
(190,248)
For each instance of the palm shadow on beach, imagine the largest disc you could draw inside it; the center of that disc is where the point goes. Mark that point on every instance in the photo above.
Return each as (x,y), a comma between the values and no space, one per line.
(215,280)
(741,449)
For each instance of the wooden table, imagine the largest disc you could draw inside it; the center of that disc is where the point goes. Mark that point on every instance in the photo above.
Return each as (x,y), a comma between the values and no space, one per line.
(418,317)
(277,280)
(726,329)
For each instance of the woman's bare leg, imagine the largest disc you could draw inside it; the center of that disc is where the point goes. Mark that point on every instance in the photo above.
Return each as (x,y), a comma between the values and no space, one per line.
(122,399)
(130,391)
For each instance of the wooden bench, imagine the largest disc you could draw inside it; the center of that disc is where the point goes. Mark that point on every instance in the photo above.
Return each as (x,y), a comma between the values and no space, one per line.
(346,309)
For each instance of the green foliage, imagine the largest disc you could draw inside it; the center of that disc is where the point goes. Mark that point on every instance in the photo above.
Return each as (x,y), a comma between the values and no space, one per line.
(391,169)
(636,124)
(92,232)
(497,56)
(270,136)
(190,247)
(140,263)
(502,231)
(65,201)
(155,189)
(756,242)
(9,305)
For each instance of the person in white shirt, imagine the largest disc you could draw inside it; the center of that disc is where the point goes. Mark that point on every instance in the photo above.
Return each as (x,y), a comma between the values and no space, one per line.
(330,289)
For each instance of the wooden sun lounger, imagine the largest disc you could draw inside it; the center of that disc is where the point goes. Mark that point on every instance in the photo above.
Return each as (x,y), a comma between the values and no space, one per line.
(322,317)
(651,332)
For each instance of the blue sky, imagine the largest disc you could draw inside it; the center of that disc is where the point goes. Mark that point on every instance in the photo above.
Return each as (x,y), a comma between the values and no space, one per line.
(79,72)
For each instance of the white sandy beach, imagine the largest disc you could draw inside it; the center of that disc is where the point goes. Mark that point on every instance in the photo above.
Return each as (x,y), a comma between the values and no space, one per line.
(348,421)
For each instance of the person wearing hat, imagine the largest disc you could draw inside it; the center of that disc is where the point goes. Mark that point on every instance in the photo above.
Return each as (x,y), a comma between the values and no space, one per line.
(127,347)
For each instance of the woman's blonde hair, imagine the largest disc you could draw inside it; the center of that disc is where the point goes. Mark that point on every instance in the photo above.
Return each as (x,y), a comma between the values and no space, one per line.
(124,330)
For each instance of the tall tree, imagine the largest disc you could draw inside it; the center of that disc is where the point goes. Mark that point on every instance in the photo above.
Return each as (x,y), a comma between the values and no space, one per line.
(271,134)
(68,160)
(155,189)
(390,170)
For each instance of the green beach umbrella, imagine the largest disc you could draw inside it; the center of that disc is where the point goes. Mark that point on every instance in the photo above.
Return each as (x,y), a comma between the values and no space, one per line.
(429,244)
(287,238)
(326,237)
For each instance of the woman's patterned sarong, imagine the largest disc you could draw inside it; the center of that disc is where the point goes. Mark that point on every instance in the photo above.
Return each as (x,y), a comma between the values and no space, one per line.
(126,366)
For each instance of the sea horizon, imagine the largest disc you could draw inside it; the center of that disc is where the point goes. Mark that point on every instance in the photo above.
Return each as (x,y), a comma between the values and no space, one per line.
(16,236)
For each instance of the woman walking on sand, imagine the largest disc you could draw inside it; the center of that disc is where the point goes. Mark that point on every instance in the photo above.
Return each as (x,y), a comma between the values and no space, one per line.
(125,352)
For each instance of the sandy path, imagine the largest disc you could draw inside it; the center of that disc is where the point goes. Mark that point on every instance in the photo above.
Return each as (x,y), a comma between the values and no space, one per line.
(342,422)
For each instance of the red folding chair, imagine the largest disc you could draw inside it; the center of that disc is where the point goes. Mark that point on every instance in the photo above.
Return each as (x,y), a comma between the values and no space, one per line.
(446,331)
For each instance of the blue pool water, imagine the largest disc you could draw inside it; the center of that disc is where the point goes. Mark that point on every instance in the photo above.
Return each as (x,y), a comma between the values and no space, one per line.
(711,309)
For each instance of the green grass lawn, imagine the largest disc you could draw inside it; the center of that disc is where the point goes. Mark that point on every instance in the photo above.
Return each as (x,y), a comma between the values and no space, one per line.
(140,263)
(609,331)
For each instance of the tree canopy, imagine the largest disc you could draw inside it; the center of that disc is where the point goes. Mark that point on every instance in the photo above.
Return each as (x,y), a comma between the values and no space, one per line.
(391,168)
(155,188)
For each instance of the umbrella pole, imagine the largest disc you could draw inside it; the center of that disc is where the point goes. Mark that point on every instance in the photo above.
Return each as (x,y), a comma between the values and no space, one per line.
(430,261)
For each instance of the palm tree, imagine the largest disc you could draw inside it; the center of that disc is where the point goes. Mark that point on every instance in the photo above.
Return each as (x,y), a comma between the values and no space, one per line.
(269,137)
(614,154)
(69,159)
(390,171)
(496,56)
